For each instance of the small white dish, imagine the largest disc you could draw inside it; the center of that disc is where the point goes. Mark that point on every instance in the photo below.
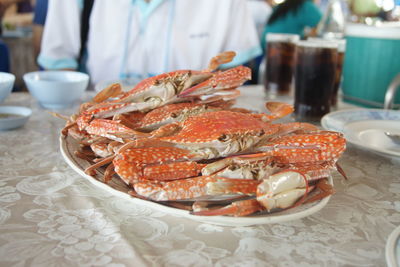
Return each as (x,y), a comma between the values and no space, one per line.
(6,84)
(56,89)
(366,128)
(371,134)
(12,117)
(392,249)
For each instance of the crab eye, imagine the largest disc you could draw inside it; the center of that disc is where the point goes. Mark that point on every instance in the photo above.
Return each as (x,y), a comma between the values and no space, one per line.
(261,133)
(223,138)
(174,115)
(233,167)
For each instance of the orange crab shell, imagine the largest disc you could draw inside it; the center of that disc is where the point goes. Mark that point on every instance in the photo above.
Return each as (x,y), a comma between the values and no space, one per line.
(129,165)
(212,126)
(167,114)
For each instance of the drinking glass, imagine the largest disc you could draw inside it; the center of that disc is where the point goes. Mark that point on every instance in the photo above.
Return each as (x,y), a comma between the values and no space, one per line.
(280,63)
(315,72)
(341,43)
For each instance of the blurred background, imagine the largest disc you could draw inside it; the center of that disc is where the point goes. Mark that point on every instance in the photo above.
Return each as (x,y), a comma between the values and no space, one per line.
(23,21)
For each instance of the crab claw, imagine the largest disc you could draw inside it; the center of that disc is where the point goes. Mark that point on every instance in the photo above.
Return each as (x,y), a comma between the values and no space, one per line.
(282,190)
(278,110)
(228,79)
(286,189)
(222,58)
(111,91)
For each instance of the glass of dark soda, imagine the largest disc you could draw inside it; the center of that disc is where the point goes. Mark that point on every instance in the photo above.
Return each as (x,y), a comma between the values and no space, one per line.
(339,70)
(339,67)
(280,62)
(315,78)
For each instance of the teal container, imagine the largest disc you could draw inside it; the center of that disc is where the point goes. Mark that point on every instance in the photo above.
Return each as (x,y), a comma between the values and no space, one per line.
(371,62)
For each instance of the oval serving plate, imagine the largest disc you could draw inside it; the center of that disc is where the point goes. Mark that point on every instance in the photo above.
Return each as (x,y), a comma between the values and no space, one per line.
(68,145)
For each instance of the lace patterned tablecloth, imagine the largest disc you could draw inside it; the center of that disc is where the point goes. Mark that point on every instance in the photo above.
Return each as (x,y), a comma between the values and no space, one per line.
(51,216)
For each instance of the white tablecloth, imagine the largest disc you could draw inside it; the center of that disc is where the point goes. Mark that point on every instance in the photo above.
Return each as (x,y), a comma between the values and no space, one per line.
(51,216)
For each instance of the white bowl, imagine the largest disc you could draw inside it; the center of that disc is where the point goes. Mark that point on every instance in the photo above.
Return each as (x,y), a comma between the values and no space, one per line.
(12,117)
(6,85)
(56,89)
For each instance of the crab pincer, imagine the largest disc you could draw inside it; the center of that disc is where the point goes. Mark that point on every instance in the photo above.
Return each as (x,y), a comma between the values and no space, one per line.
(283,190)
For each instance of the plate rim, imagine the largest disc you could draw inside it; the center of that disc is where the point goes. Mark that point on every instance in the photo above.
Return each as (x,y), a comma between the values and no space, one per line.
(360,144)
(324,118)
(216,220)
(390,248)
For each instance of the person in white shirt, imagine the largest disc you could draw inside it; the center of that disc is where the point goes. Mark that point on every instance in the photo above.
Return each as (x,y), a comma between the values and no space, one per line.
(260,10)
(138,39)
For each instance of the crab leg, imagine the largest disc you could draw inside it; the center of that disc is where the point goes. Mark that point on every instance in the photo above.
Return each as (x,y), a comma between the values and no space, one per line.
(101,149)
(109,109)
(326,190)
(203,187)
(131,120)
(172,171)
(113,130)
(224,96)
(313,147)
(237,208)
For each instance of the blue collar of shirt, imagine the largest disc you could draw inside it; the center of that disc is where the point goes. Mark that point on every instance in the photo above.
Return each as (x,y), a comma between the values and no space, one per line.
(146,8)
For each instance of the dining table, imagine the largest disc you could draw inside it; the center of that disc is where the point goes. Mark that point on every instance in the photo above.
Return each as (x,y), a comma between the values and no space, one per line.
(50,215)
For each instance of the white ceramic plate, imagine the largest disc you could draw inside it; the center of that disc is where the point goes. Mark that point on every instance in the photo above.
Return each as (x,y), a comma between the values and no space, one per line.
(22,115)
(365,128)
(393,248)
(68,145)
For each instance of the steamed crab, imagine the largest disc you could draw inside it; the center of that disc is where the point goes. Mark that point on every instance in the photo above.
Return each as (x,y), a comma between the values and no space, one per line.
(205,86)
(175,137)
